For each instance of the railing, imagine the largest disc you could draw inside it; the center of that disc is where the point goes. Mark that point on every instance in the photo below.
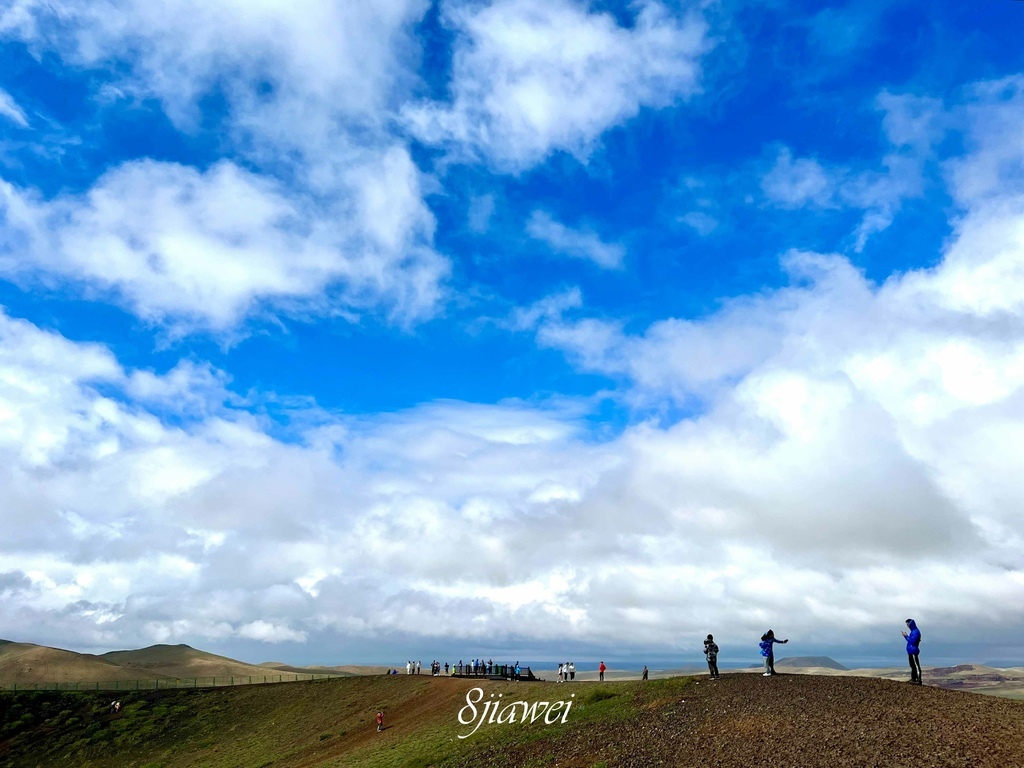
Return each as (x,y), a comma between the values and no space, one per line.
(163,683)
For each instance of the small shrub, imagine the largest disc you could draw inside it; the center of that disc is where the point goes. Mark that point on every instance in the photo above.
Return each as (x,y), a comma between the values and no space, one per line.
(324,736)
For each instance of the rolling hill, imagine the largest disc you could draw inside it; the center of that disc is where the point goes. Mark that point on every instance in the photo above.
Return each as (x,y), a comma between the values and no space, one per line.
(180,661)
(26,663)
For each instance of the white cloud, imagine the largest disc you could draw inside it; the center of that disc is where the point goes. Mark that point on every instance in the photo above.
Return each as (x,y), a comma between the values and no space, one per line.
(805,182)
(702,223)
(531,76)
(288,73)
(267,632)
(991,120)
(577,243)
(796,183)
(206,250)
(9,108)
(913,121)
(323,215)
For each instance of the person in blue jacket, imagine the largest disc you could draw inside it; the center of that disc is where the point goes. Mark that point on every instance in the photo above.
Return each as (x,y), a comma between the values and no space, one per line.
(767,646)
(914,651)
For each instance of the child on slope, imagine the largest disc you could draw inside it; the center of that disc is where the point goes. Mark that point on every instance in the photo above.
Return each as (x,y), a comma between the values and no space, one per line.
(711,651)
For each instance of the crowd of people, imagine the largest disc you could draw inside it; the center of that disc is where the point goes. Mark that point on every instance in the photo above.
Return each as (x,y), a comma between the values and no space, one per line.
(475,667)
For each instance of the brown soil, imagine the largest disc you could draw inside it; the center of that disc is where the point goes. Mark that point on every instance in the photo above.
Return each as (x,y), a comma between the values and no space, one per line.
(798,721)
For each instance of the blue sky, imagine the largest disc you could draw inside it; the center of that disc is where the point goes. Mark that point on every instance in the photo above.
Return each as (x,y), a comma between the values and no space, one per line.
(334,332)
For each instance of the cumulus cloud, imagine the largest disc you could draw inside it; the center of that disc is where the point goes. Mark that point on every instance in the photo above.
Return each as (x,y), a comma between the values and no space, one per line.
(577,243)
(206,250)
(532,77)
(287,73)
(325,215)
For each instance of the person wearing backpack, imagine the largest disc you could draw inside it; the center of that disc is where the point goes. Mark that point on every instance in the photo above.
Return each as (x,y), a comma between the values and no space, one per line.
(914,651)
(711,652)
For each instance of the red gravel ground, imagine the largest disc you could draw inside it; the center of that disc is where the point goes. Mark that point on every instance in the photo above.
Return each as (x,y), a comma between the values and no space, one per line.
(797,721)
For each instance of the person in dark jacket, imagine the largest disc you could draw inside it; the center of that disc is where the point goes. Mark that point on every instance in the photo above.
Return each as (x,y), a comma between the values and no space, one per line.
(914,651)
(767,646)
(711,651)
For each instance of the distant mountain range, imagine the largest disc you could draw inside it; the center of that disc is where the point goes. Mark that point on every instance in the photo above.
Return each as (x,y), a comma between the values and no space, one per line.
(27,663)
(822,662)
(807,662)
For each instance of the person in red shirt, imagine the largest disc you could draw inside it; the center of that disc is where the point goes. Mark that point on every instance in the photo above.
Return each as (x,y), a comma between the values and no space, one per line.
(601,670)
(380,721)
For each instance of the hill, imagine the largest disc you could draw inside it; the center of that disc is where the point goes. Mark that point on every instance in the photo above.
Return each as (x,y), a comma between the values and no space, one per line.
(26,663)
(741,719)
(180,661)
(816,662)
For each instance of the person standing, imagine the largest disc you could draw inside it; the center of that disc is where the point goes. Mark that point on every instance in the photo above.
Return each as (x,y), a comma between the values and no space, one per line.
(645,672)
(572,670)
(711,651)
(767,644)
(914,651)
(380,720)
(600,671)
(561,672)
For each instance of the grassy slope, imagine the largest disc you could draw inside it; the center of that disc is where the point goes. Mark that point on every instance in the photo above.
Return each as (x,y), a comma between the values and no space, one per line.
(298,724)
(740,720)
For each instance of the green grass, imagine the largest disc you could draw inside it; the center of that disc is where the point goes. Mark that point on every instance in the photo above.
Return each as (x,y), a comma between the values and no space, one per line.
(320,723)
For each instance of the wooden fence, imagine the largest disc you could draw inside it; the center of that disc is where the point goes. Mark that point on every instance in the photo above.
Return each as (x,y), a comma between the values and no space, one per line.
(163,683)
